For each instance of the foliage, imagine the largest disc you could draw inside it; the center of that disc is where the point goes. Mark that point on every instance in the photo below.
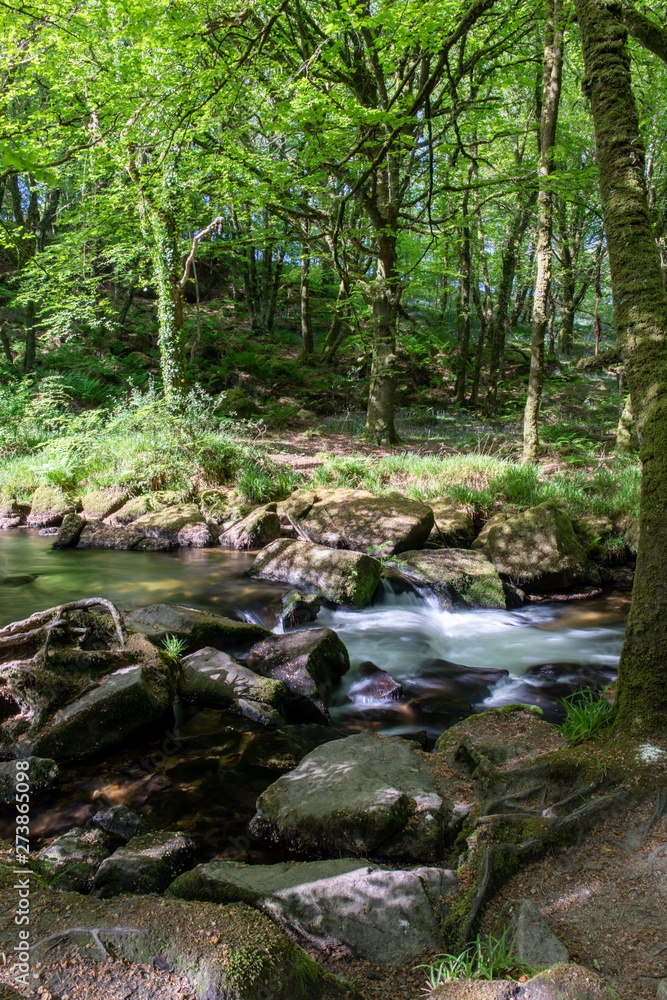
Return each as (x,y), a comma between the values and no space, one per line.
(492,959)
(588,715)
(174,647)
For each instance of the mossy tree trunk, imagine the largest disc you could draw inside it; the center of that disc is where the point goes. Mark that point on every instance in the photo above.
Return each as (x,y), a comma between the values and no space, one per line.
(551,89)
(626,424)
(640,307)
(167,265)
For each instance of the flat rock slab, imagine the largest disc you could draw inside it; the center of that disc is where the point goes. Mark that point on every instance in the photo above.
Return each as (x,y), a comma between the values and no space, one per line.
(537,547)
(346,578)
(146,864)
(213,678)
(195,628)
(455,576)
(72,859)
(254,531)
(233,881)
(183,525)
(123,704)
(43,776)
(310,663)
(383,916)
(379,526)
(365,795)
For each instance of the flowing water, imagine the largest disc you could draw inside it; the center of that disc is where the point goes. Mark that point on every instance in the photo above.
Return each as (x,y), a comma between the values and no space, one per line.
(204,772)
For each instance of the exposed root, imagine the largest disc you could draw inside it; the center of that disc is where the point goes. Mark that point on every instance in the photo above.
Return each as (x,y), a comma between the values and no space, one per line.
(654,855)
(41,625)
(94,933)
(660,803)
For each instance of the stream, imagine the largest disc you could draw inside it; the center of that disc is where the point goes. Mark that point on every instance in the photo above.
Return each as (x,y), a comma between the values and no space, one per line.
(204,773)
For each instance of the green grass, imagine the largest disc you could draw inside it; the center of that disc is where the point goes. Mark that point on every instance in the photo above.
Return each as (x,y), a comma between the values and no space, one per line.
(587,715)
(485,483)
(493,959)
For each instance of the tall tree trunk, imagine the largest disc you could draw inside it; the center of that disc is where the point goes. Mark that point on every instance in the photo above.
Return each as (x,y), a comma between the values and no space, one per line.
(382,392)
(553,68)
(463,319)
(640,307)
(339,322)
(306,325)
(167,266)
(30,337)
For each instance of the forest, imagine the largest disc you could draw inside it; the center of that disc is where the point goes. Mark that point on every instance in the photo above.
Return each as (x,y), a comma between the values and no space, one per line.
(327,328)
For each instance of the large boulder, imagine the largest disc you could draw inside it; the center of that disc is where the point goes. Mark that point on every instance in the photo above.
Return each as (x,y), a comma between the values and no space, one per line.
(536,547)
(455,576)
(101,503)
(310,663)
(147,863)
(193,627)
(123,704)
(234,403)
(210,677)
(43,776)
(335,902)
(234,881)
(48,507)
(184,526)
(254,531)
(347,578)
(144,504)
(352,519)
(365,795)
(453,525)
(71,860)
(244,956)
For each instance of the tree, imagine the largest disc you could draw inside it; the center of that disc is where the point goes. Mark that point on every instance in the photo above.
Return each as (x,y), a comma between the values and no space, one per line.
(640,307)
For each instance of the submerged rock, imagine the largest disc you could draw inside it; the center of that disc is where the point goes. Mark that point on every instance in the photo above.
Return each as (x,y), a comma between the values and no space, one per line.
(362,795)
(183,526)
(537,547)
(43,776)
(195,628)
(309,663)
(454,576)
(146,864)
(48,507)
(72,859)
(374,685)
(347,578)
(254,531)
(352,519)
(121,821)
(213,678)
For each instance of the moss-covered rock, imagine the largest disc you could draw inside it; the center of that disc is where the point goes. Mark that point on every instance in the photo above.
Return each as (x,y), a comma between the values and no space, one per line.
(120,821)
(43,776)
(380,526)
(309,663)
(453,526)
(148,863)
(254,531)
(298,608)
(536,547)
(347,578)
(71,860)
(498,736)
(97,535)
(48,506)
(365,795)
(101,503)
(453,575)
(139,506)
(561,982)
(69,532)
(210,677)
(193,627)
(183,525)
(236,404)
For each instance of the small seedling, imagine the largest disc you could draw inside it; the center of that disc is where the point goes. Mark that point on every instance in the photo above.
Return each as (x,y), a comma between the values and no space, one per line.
(174,647)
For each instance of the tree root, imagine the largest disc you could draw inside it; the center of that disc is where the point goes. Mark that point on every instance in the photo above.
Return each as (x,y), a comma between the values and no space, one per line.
(43,623)
(94,933)
(654,855)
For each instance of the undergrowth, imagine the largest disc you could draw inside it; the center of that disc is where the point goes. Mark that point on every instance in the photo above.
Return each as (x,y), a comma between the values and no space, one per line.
(492,959)
(587,715)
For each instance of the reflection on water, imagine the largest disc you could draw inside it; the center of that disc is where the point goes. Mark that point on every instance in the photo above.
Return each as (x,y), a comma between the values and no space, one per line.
(212,579)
